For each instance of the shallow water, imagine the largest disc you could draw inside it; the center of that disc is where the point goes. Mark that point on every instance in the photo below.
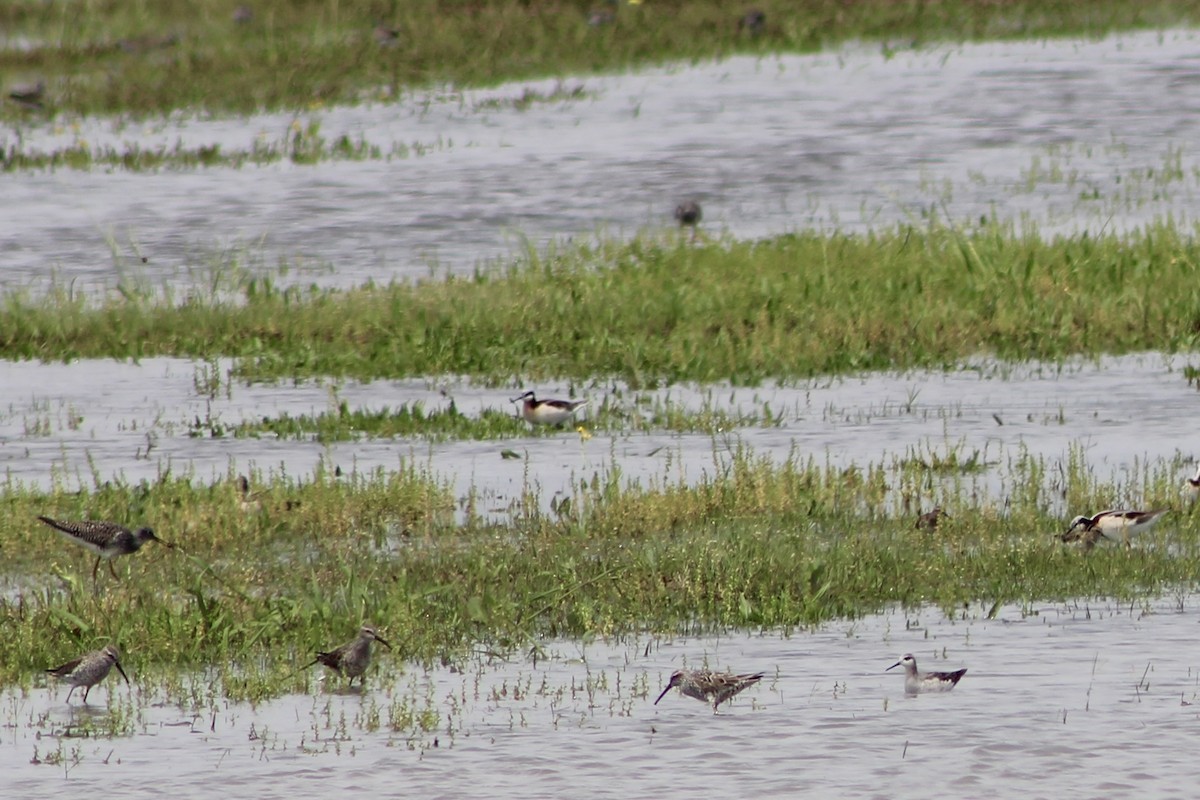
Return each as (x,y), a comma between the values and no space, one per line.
(1069,134)
(1079,700)
(1122,413)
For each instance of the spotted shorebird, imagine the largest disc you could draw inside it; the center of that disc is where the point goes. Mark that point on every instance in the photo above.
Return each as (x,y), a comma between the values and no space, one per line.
(352,658)
(710,687)
(547,412)
(89,669)
(1116,525)
(1084,537)
(105,539)
(930,519)
(916,682)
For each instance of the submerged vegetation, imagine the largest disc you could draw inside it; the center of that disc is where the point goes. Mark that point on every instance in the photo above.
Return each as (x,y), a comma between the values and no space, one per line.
(112,57)
(792,307)
(260,580)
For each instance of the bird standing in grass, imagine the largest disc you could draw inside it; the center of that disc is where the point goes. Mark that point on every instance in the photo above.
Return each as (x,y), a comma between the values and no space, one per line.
(547,412)
(105,539)
(352,658)
(88,670)
(1113,524)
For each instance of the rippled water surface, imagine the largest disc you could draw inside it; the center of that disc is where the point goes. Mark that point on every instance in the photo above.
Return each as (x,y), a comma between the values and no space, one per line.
(1067,133)
(1079,700)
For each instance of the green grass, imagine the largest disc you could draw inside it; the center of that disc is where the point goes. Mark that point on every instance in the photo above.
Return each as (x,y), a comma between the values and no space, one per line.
(252,591)
(152,57)
(789,308)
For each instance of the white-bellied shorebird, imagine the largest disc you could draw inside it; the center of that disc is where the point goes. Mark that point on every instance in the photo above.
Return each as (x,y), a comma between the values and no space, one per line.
(352,658)
(1191,487)
(916,682)
(547,412)
(1116,525)
(105,539)
(710,687)
(89,669)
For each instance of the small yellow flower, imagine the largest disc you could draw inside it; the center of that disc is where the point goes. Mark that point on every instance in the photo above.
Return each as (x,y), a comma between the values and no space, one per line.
(584,433)
(635,2)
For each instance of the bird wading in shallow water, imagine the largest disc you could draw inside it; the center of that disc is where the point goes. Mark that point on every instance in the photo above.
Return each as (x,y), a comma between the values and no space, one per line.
(105,539)
(352,658)
(1115,525)
(916,682)
(710,687)
(88,670)
(547,412)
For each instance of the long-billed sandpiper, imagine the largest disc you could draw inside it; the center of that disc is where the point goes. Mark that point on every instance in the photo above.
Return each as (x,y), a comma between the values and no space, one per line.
(105,539)
(352,658)
(916,682)
(711,687)
(547,412)
(89,669)
(1116,525)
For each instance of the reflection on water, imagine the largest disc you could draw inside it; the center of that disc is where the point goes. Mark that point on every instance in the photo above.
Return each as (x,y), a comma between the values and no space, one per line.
(1081,700)
(1067,133)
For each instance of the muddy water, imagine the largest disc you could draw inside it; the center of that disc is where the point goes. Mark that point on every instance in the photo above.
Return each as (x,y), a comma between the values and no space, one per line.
(1059,701)
(848,139)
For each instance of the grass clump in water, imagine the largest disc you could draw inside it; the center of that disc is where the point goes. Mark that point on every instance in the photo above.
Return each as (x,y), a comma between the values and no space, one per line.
(261,582)
(792,307)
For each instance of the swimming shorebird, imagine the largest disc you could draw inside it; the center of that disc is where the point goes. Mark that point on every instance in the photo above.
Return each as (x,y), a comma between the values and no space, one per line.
(930,519)
(710,687)
(105,539)
(352,658)
(547,412)
(1114,524)
(688,213)
(89,669)
(916,682)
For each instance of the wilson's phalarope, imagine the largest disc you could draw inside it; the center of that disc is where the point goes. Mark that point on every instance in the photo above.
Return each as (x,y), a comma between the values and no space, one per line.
(711,687)
(1192,486)
(547,412)
(352,658)
(89,669)
(930,519)
(916,682)
(1115,524)
(105,539)
(1084,537)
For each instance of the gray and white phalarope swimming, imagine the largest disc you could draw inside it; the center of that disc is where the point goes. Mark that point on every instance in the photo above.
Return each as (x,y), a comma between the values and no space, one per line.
(916,682)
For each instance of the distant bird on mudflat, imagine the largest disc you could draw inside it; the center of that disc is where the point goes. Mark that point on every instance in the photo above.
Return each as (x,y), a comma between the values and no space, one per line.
(930,519)
(547,412)
(1116,525)
(916,682)
(88,670)
(352,658)
(105,539)
(709,687)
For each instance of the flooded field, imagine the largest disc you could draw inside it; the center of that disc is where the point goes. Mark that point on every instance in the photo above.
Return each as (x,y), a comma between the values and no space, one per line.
(1062,699)
(1067,134)
(1051,691)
